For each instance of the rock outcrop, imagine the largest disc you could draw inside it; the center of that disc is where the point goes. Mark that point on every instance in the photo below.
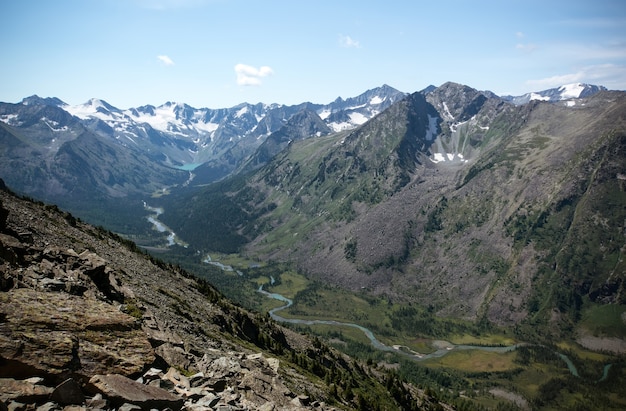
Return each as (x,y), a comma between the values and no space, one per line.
(87,321)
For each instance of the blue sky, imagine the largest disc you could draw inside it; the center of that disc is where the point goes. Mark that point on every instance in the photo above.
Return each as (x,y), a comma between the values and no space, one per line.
(218,53)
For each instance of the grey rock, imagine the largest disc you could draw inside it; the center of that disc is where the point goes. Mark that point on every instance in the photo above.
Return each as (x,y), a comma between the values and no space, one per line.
(174,356)
(22,391)
(52,284)
(68,393)
(97,402)
(129,407)
(49,406)
(16,406)
(121,390)
(177,378)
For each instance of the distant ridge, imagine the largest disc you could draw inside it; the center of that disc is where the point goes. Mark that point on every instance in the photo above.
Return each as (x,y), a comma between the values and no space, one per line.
(564,92)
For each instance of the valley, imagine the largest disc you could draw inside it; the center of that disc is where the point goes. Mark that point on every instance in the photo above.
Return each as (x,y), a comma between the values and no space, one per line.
(474,244)
(472,356)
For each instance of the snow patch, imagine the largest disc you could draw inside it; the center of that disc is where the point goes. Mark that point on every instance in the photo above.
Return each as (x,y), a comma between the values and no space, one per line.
(455,126)
(535,96)
(438,157)
(208,127)
(53,125)
(324,114)
(241,112)
(341,126)
(357,118)
(357,107)
(10,119)
(571,90)
(447,111)
(448,157)
(376,100)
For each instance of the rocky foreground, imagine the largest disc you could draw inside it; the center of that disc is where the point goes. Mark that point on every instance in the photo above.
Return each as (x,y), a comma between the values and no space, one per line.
(87,322)
(74,332)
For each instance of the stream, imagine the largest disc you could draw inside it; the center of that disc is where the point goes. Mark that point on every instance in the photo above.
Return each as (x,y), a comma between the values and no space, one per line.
(443,347)
(160,227)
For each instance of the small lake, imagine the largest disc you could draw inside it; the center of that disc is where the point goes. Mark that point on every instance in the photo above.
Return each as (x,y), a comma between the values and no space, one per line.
(188,167)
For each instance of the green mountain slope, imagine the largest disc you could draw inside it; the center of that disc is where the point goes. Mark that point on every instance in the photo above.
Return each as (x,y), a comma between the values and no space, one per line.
(520,228)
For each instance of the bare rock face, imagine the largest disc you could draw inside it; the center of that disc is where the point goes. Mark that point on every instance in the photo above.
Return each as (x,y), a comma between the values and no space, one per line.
(58,333)
(121,390)
(24,391)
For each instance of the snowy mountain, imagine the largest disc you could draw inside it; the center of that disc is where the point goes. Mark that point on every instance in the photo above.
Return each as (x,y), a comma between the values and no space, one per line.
(566,92)
(347,114)
(87,157)
(187,136)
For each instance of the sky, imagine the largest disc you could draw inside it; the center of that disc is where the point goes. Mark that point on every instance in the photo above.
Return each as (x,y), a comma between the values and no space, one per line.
(219,53)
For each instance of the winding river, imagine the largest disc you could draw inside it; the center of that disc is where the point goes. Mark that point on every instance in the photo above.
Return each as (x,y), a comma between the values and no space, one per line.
(443,347)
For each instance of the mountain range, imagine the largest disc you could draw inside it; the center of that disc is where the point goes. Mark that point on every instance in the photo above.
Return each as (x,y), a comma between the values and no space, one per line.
(454,199)
(447,213)
(86,157)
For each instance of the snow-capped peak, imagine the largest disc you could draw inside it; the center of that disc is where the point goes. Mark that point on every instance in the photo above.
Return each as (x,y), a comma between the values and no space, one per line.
(562,93)
(573,90)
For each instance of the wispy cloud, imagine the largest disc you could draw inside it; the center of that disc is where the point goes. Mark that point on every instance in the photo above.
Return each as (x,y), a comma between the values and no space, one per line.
(166,60)
(250,75)
(348,42)
(527,48)
(612,76)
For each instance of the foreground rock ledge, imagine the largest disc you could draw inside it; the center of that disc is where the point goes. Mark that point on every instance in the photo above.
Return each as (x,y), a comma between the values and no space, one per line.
(120,390)
(53,333)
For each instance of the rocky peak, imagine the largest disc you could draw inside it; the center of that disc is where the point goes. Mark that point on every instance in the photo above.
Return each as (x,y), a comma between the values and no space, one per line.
(42,101)
(456,102)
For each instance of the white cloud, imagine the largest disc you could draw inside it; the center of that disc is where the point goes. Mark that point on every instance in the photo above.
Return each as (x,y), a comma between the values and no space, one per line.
(348,42)
(611,76)
(519,35)
(250,75)
(166,60)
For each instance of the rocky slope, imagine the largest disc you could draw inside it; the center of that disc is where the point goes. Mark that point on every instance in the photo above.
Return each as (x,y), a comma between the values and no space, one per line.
(86,320)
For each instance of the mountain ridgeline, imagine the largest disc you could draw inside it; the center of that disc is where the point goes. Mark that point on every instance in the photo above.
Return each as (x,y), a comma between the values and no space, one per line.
(454,199)
(508,210)
(100,162)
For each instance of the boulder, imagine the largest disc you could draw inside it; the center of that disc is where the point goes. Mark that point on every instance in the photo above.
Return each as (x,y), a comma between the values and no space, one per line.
(122,390)
(48,333)
(174,356)
(68,393)
(22,391)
